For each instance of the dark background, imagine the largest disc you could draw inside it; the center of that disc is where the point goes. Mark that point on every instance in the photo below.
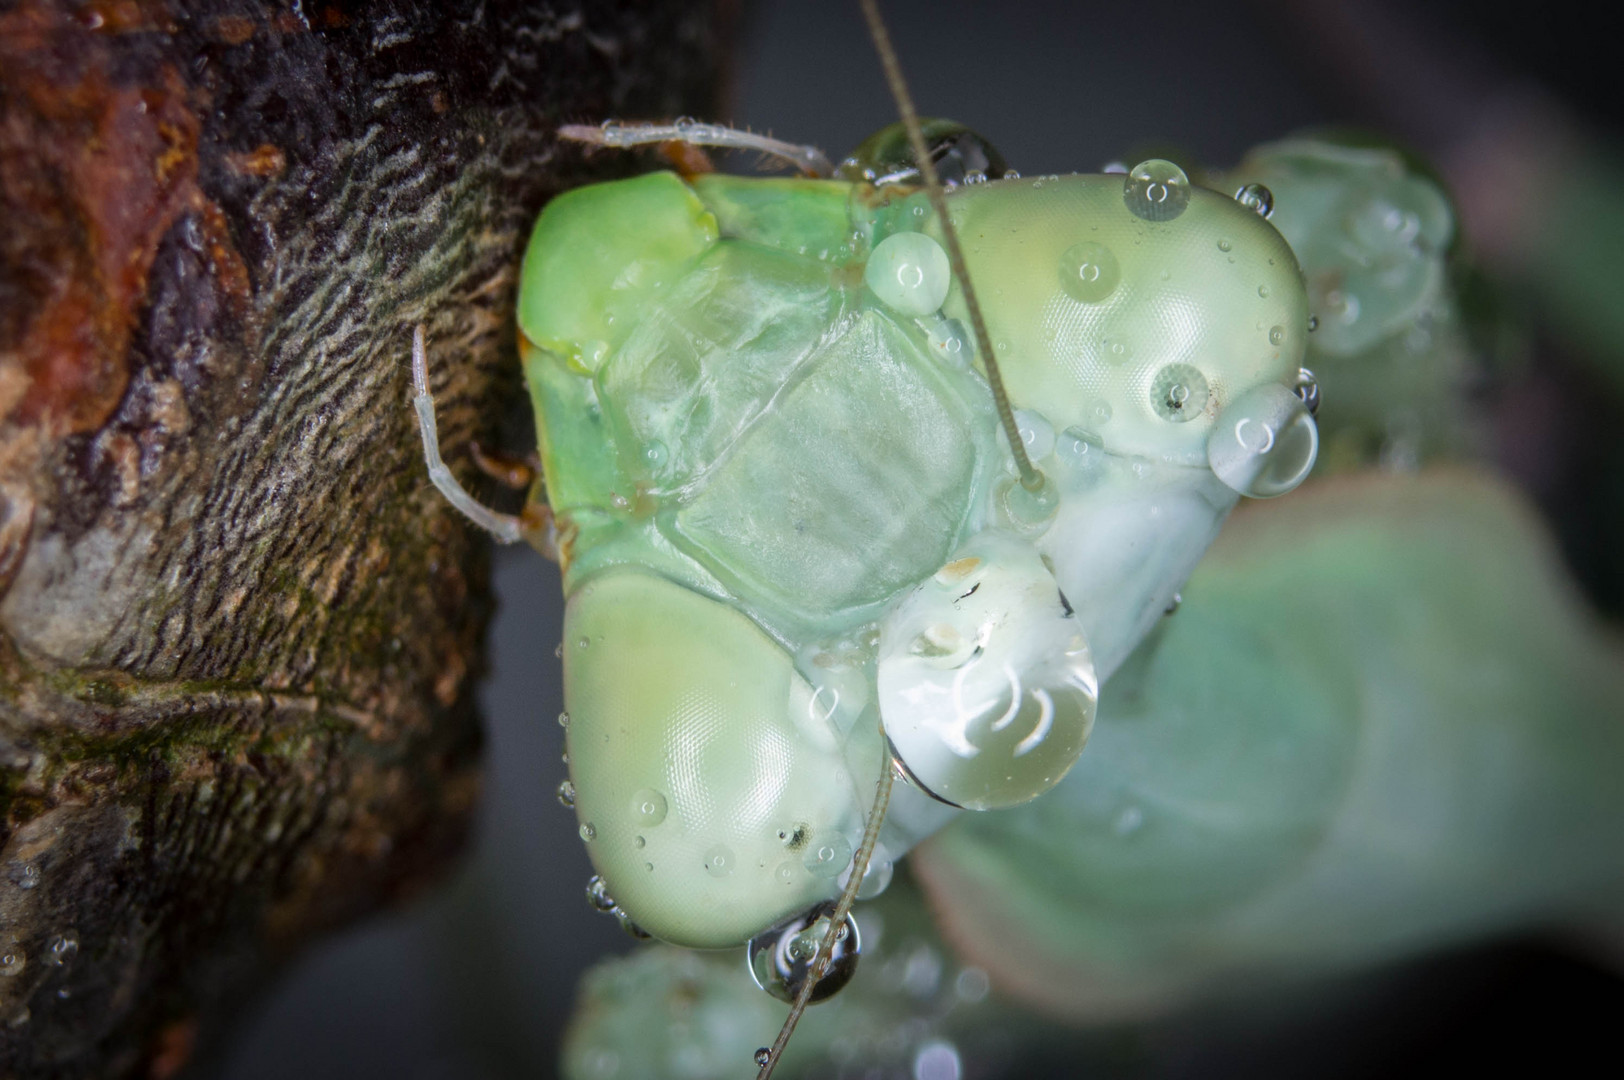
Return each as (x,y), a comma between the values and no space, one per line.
(476,980)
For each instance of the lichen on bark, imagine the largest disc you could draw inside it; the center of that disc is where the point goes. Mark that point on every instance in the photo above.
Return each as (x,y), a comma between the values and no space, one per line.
(238,630)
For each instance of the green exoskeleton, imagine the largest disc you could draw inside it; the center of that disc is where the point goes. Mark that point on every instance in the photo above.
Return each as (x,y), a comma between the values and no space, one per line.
(798,552)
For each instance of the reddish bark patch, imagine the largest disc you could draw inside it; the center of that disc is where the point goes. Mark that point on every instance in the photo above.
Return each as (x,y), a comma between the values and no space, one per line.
(93,172)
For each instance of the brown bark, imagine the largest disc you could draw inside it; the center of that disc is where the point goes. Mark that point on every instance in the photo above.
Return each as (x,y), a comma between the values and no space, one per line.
(238,630)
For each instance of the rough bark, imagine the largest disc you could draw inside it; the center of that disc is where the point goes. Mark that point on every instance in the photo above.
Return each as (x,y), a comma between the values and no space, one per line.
(238,631)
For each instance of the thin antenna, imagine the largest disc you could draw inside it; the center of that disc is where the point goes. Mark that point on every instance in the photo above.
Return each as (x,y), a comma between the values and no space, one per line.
(1031,477)
(837,921)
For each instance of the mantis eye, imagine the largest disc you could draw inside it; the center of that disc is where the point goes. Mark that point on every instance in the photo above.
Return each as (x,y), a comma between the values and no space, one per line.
(986,686)
(711,785)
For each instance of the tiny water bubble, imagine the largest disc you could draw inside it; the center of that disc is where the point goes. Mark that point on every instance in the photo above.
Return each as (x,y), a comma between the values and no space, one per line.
(1308,390)
(1256,198)
(1156,190)
(588,831)
(63,948)
(597,894)
(1313,323)
(566,794)
(719,860)
(558,651)
(564,718)
(1263,291)
(763,1055)
(1277,335)
(829,857)
(1224,245)
(12,960)
(26,876)
(649,807)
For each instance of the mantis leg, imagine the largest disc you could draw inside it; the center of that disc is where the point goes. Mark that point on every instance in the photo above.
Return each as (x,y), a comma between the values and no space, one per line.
(809,159)
(507,528)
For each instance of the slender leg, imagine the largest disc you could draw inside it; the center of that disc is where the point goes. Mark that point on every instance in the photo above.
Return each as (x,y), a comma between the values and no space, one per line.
(809,159)
(505,527)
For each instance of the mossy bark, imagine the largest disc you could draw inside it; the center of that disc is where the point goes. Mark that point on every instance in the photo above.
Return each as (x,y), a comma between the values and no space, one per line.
(238,630)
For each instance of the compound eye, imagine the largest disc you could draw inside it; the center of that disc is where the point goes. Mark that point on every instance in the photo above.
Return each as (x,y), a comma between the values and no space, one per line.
(961,156)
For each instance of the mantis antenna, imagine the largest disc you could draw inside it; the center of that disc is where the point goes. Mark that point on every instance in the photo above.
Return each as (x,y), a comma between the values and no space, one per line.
(1031,477)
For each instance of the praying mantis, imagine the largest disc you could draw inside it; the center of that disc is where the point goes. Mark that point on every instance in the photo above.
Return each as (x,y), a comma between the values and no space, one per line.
(1285,376)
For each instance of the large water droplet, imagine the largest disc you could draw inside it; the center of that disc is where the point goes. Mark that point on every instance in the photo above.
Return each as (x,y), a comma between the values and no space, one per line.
(1264,443)
(1089,272)
(1156,190)
(999,713)
(827,856)
(780,958)
(1178,393)
(648,806)
(909,272)
(1256,198)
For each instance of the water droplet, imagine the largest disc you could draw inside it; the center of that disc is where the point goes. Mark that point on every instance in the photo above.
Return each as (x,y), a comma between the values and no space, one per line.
(655,453)
(876,879)
(63,948)
(1307,389)
(937,1060)
(785,873)
(1256,198)
(1277,335)
(649,806)
(1156,190)
(558,651)
(719,860)
(1114,167)
(582,643)
(999,720)
(566,794)
(26,876)
(781,957)
(972,985)
(588,831)
(909,273)
(1224,245)
(763,1055)
(564,717)
(1089,272)
(1036,433)
(1263,291)
(1313,323)
(635,932)
(827,856)
(1178,393)
(12,960)
(1101,412)
(639,842)
(1129,821)
(1264,443)
(597,894)
(1173,604)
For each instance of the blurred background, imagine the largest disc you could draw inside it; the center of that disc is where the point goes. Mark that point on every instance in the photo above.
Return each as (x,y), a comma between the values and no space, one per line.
(477,979)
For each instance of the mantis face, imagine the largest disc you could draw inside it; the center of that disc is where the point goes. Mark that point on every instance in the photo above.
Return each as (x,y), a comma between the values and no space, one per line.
(794,543)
